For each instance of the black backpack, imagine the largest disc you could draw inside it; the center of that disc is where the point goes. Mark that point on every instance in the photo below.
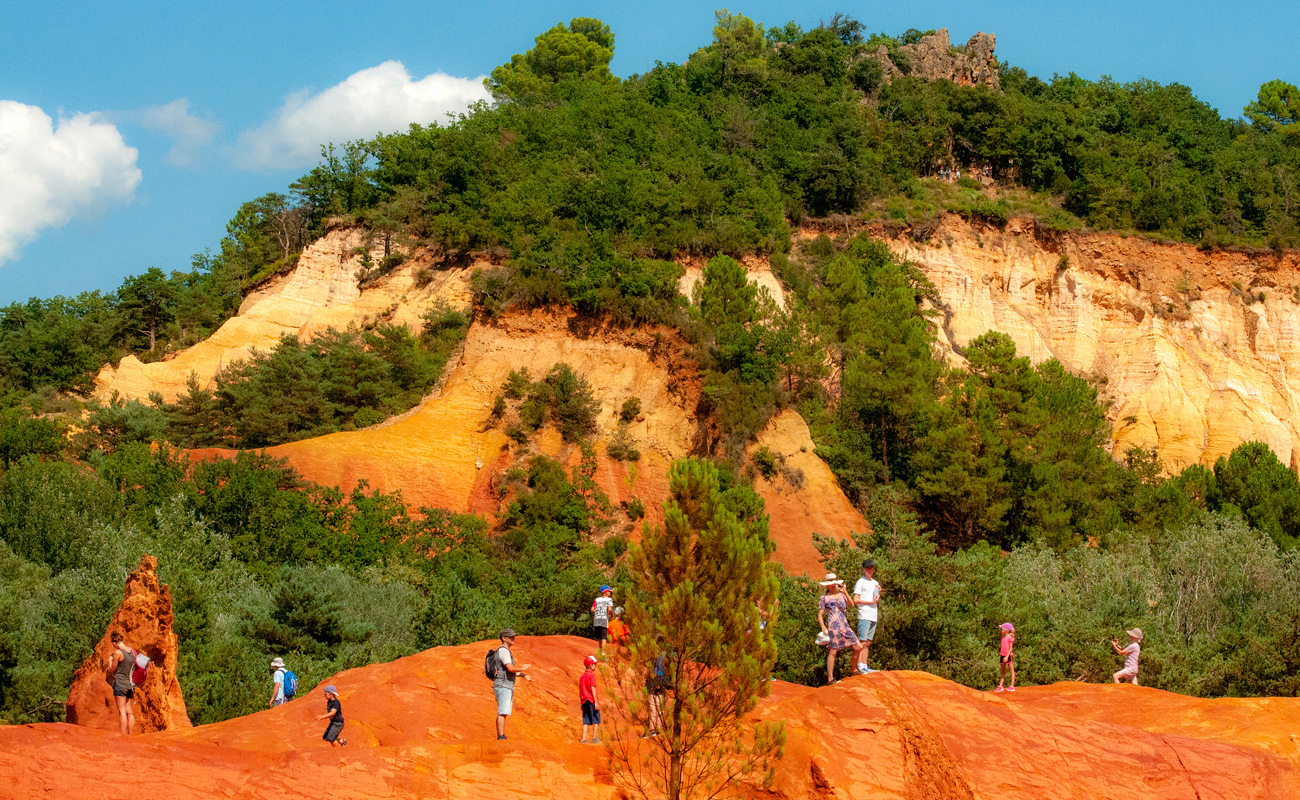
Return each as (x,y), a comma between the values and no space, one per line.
(492,664)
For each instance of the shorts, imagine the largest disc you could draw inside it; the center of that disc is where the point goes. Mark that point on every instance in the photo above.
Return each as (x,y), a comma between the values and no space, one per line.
(1127,673)
(590,714)
(129,694)
(600,632)
(866,630)
(505,699)
(1007,659)
(333,731)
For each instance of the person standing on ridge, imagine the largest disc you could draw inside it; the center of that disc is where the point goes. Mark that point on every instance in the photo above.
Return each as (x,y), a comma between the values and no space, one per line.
(1130,671)
(835,624)
(277,683)
(118,666)
(1007,657)
(503,685)
(866,596)
(600,608)
(590,704)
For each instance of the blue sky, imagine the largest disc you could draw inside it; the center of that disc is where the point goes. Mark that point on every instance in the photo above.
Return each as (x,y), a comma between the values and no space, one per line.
(130,132)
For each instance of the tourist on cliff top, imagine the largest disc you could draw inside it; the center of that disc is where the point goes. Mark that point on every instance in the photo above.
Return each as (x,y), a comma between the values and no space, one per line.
(1007,657)
(834,622)
(618,630)
(333,710)
(503,685)
(1131,651)
(119,666)
(600,608)
(866,596)
(587,697)
(278,694)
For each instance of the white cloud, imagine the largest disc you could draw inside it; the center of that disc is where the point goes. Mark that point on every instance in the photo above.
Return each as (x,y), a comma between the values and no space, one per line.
(381,99)
(50,174)
(190,132)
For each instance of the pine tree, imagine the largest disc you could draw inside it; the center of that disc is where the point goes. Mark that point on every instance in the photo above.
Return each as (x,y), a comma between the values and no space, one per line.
(698,585)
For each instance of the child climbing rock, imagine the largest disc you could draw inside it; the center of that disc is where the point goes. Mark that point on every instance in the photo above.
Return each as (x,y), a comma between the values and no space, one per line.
(1130,671)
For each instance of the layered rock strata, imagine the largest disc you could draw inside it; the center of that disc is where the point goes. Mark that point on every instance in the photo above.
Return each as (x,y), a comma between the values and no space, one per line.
(1195,351)
(322,291)
(422,727)
(145,621)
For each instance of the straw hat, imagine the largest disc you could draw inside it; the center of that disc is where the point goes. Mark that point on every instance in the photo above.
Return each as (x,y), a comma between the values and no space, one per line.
(1136,633)
(831,580)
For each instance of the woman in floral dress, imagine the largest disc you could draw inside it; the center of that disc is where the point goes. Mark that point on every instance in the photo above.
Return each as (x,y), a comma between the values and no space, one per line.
(831,615)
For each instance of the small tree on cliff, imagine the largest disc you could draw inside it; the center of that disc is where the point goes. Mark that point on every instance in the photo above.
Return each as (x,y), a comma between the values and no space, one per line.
(698,585)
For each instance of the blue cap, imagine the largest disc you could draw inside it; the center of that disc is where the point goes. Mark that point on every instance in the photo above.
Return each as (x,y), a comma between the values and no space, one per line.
(606,588)
(331,689)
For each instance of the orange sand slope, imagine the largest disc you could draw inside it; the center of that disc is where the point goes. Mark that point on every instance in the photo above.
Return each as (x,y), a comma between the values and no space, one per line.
(421,727)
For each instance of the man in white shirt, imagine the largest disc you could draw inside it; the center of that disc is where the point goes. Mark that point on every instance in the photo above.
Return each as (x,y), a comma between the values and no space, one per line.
(866,596)
(277,682)
(503,685)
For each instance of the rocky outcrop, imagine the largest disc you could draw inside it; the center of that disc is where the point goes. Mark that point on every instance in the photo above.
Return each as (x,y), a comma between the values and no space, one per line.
(1195,351)
(421,727)
(449,454)
(322,291)
(145,621)
(934,58)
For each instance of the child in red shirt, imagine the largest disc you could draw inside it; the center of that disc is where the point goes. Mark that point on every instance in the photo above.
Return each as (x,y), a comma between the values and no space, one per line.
(587,695)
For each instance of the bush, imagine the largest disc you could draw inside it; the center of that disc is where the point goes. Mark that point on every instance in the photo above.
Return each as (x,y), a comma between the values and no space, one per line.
(631,407)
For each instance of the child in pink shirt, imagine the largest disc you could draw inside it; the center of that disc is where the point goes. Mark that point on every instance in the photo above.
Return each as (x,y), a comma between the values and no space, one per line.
(1007,657)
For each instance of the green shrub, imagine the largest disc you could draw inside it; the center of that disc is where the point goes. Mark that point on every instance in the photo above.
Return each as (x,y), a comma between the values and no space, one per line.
(631,407)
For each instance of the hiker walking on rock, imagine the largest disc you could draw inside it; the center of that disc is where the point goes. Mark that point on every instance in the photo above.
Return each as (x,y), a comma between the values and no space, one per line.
(118,667)
(333,710)
(278,694)
(503,684)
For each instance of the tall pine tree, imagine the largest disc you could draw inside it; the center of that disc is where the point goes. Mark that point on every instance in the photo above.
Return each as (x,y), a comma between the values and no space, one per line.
(698,585)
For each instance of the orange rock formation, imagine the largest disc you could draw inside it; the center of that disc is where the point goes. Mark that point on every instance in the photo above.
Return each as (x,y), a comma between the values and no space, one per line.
(1194,349)
(421,727)
(447,454)
(145,621)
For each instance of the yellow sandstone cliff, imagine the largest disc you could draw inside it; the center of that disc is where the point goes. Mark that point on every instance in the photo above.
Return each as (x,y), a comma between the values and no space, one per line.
(1196,351)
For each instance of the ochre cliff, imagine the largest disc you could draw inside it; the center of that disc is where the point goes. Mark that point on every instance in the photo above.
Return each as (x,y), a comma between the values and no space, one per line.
(320,292)
(1196,351)
(421,727)
(448,453)
(145,621)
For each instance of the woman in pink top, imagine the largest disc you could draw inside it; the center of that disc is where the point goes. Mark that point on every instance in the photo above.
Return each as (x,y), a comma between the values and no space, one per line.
(1007,657)
(1130,671)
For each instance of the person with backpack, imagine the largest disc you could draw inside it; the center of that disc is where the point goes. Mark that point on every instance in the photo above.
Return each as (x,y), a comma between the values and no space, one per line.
(119,668)
(501,668)
(284,683)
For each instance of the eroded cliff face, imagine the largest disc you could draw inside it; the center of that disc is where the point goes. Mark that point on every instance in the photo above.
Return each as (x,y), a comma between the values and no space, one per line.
(422,727)
(448,453)
(145,621)
(934,58)
(322,291)
(1196,351)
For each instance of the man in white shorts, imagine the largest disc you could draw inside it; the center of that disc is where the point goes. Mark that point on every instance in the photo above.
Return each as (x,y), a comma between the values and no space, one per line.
(866,596)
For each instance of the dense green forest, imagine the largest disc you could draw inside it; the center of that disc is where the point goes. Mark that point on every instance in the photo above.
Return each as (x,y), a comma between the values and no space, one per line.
(989,490)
